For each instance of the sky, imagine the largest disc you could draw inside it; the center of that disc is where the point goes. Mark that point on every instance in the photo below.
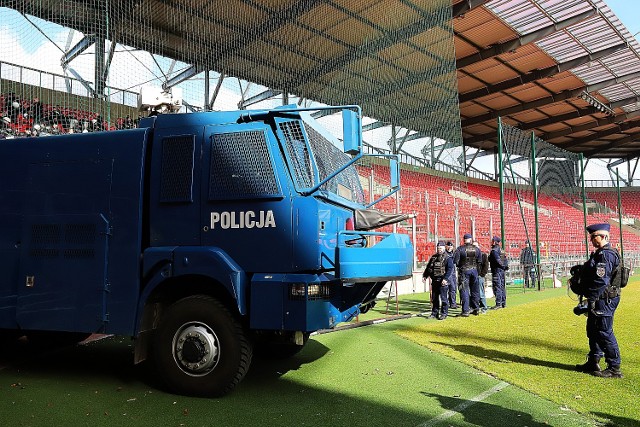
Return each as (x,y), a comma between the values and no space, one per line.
(628,11)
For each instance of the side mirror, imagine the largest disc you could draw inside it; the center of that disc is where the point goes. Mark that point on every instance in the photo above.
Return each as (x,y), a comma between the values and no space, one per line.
(394,169)
(351,131)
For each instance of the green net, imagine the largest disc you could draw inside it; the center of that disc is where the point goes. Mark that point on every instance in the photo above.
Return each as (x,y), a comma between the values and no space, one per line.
(88,61)
(83,58)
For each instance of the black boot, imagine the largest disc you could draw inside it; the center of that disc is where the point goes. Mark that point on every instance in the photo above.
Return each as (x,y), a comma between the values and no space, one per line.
(610,372)
(590,366)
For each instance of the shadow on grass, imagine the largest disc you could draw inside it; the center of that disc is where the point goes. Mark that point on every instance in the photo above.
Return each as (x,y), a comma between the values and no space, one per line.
(614,421)
(502,356)
(112,357)
(484,414)
(405,306)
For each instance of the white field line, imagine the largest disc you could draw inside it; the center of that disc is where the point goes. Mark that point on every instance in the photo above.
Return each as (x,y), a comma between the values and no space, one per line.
(460,408)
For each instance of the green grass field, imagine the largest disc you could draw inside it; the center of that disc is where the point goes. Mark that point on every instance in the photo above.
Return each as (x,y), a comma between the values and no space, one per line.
(510,368)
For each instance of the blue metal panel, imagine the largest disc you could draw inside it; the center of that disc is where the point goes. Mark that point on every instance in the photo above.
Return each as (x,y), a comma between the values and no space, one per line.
(214,263)
(254,230)
(163,263)
(85,175)
(389,259)
(274,306)
(175,223)
(10,228)
(63,269)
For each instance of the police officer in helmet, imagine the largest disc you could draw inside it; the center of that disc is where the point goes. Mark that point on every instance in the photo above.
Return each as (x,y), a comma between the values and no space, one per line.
(466,259)
(603,299)
(439,269)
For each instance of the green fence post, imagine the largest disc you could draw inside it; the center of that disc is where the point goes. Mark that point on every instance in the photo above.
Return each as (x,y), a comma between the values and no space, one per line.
(584,204)
(535,203)
(501,181)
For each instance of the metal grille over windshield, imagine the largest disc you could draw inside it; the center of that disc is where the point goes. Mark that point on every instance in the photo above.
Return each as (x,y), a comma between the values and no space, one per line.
(298,153)
(328,158)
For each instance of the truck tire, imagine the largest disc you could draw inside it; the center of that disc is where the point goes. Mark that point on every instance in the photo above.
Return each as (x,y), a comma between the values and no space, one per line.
(200,349)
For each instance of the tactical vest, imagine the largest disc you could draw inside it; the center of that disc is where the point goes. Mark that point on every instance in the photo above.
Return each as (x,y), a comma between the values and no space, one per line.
(470,257)
(439,266)
(503,257)
(619,278)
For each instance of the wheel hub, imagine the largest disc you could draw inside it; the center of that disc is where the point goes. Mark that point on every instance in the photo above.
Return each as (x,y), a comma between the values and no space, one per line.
(196,349)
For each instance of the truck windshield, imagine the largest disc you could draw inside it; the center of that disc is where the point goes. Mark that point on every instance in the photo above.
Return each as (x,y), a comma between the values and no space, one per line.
(311,163)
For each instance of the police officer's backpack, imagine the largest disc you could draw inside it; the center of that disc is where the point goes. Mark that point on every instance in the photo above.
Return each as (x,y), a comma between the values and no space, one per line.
(620,276)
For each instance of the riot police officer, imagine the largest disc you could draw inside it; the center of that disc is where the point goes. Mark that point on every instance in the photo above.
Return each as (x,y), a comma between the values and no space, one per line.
(453,285)
(466,259)
(499,264)
(603,299)
(439,269)
(527,261)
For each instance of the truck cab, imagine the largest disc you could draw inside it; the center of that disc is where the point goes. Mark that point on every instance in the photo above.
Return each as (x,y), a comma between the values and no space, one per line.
(201,235)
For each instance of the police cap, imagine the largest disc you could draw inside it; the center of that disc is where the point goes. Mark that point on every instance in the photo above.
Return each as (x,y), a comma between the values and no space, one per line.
(449,243)
(496,239)
(467,236)
(598,227)
(440,244)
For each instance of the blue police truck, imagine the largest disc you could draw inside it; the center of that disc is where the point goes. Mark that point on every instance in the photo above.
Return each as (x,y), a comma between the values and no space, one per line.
(204,236)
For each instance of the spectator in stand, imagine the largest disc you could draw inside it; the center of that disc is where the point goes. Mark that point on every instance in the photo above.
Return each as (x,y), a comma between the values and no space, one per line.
(483,268)
(453,285)
(499,264)
(527,261)
(36,110)
(96,124)
(128,123)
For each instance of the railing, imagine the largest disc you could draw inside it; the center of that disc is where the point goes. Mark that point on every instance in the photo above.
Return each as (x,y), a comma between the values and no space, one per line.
(59,83)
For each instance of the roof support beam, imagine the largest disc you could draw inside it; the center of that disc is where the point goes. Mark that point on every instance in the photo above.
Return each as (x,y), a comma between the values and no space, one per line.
(216,91)
(269,93)
(621,128)
(556,97)
(593,124)
(614,144)
(539,74)
(108,60)
(76,50)
(616,163)
(374,125)
(463,7)
(501,48)
(182,76)
(580,112)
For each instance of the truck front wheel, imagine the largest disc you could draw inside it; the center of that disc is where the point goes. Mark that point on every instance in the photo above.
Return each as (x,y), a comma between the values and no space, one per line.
(200,349)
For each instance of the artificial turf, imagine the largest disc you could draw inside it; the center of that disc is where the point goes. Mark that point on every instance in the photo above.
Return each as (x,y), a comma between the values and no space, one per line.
(409,372)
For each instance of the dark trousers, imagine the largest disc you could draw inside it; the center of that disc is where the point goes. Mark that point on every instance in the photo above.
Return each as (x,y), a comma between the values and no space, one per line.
(469,291)
(453,290)
(602,341)
(497,281)
(529,276)
(439,297)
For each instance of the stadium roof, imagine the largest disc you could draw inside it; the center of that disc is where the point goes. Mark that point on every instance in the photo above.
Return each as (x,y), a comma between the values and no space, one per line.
(566,69)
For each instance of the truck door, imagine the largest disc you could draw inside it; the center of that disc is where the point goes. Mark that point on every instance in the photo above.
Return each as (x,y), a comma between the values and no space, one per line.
(244,208)
(62,281)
